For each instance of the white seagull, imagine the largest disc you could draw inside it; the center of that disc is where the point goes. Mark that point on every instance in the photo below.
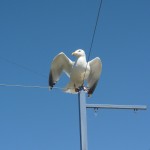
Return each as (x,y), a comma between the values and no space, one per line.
(78,72)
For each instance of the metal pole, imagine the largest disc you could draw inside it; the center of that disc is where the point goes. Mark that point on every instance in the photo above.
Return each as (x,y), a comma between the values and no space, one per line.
(82,120)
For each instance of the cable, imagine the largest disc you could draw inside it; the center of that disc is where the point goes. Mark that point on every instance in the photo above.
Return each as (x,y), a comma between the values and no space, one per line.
(98,14)
(28,86)
(100,5)
(23,67)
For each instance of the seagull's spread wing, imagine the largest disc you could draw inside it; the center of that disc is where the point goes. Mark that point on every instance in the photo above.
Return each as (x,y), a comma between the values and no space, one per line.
(60,63)
(95,71)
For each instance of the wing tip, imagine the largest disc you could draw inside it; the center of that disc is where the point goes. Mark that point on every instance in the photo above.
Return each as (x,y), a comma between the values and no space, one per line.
(51,82)
(92,89)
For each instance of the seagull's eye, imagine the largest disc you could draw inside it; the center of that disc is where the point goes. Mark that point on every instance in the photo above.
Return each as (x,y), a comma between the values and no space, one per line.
(79,51)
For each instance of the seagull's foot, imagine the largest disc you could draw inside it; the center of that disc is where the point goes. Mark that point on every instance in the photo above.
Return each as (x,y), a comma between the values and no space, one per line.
(77,90)
(81,88)
(90,92)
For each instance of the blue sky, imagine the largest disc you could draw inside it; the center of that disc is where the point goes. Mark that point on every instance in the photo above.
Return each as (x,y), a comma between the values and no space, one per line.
(33,32)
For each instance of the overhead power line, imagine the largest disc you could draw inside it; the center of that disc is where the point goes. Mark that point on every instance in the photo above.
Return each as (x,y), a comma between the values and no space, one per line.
(28,86)
(96,23)
(93,36)
(23,67)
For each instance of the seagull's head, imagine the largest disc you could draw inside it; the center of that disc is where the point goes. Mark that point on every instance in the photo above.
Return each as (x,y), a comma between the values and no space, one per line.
(78,53)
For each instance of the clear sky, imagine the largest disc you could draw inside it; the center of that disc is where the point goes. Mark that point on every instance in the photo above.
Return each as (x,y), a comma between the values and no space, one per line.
(33,32)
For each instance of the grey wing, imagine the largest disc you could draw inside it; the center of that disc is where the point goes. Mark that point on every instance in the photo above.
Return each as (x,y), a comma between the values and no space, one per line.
(59,64)
(95,72)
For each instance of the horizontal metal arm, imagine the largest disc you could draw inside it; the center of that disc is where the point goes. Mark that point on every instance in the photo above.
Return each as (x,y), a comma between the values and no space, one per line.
(111,106)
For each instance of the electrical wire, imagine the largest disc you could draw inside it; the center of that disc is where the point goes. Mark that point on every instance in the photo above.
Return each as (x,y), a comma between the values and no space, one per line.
(92,41)
(98,14)
(28,86)
(23,67)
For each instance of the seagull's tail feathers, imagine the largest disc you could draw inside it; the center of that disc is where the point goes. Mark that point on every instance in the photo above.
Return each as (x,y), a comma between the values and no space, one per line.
(70,88)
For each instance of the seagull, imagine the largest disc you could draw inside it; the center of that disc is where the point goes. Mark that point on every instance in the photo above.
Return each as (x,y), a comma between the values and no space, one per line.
(78,72)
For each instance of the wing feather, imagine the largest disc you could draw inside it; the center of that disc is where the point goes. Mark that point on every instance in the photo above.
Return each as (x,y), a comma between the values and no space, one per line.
(95,71)
(59,64)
